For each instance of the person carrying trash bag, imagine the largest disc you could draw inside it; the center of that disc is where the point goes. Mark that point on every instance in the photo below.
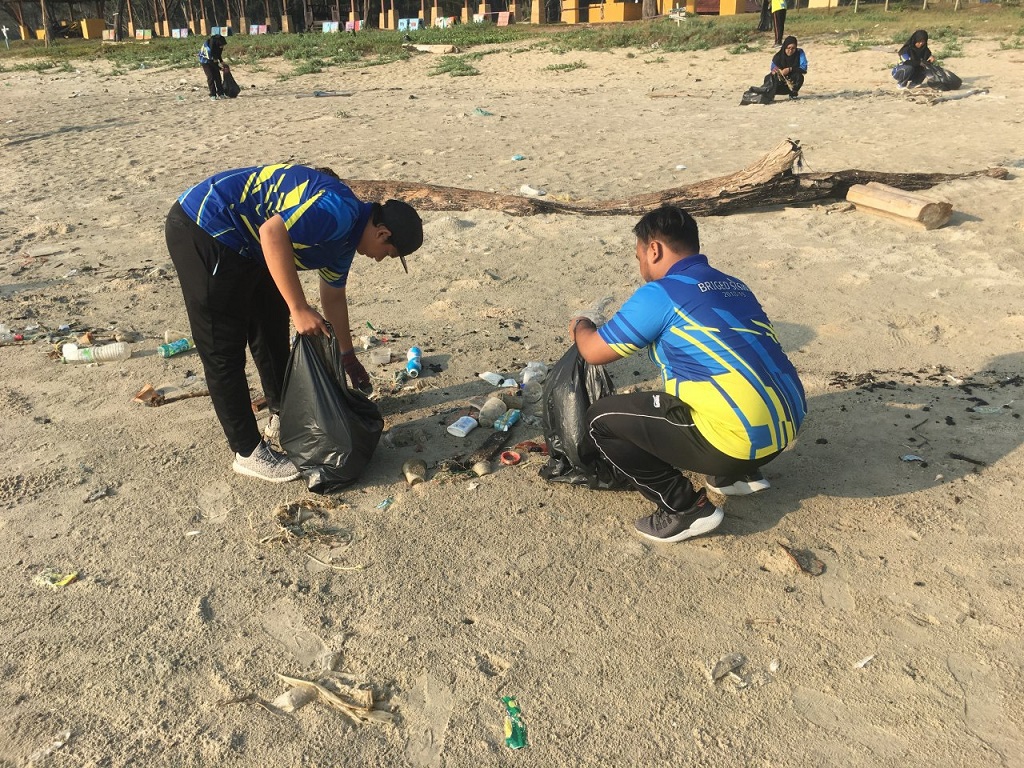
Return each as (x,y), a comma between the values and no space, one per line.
(211,57)
(732,400)
(237,241)
(915,56)
(788,67)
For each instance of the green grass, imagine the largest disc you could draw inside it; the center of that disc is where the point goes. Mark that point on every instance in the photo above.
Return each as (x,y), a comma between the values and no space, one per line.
(312,53)
(568,66)
(456,66)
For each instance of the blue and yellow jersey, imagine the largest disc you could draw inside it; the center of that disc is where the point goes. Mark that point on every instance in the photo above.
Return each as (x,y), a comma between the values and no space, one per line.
(718,353)
(324,219)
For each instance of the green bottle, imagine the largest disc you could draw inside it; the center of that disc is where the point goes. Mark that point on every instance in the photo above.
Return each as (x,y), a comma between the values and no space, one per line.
(515,724)
(175,347)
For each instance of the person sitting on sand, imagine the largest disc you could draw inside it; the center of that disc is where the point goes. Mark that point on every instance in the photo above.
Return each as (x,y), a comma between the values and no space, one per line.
(237,241)
(211,56)
(788,68)
(732,400)
(914,58)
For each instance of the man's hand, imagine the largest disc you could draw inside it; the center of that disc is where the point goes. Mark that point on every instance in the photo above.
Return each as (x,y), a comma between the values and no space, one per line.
(356,373)
(309,322)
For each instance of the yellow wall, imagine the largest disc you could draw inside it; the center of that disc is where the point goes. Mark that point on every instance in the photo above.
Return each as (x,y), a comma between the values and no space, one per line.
(615,11)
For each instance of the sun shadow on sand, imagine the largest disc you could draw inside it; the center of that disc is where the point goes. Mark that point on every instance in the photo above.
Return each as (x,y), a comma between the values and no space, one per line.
(890,433)
(25,139)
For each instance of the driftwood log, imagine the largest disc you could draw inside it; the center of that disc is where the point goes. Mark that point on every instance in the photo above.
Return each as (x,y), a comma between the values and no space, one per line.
(907,208)
(770,181)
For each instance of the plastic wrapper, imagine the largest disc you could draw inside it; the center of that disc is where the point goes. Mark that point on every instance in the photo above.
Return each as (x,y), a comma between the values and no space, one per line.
(570,388)
(328,430)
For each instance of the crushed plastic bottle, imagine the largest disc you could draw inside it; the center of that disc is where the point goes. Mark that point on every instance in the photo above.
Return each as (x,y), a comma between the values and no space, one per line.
(106,353)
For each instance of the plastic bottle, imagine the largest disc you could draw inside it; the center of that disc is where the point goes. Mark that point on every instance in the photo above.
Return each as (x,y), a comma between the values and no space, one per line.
(507,419)
(175,347)
(5,333)
(105,353)
(463,426)
(415,362)
(533,378)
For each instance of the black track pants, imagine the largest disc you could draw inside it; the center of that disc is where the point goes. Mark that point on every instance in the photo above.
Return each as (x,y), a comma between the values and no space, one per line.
(231,302)
(649,437)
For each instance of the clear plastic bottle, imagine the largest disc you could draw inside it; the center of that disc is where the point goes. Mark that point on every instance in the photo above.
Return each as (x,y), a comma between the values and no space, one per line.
(533,381)
(105,353)
(5,333)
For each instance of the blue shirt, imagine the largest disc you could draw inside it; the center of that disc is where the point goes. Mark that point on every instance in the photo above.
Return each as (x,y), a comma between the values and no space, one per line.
(718,353)
(323,218)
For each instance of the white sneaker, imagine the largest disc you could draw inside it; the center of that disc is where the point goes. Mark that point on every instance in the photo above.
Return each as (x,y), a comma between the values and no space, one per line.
(265,463)
(743,486)
(272,432)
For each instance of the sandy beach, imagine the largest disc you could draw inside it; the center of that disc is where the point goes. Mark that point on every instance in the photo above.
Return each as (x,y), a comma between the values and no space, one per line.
(188,603)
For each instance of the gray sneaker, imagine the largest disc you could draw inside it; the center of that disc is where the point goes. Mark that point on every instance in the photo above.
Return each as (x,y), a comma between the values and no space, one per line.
(670,527)
(266,464)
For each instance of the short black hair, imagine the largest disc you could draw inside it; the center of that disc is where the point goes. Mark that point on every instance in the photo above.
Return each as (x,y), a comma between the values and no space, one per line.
(672,225)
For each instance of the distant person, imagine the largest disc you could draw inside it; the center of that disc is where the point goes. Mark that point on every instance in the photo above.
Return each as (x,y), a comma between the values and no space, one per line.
(915,56)
(732,400)
(211,56)
(765,22)
(778,19)
(788,68)
(237,241)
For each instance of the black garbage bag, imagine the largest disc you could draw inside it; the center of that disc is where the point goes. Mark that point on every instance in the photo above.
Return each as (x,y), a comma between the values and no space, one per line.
(940,79)
(571,387)
(328,430)
(231,88)
(759,94)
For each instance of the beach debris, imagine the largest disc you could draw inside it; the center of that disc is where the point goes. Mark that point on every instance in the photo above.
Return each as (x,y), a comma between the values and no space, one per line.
(774,665)
(864,662)
(515,724)
(517,158)
(968,459)
(510,458)
(482,468)
(153,397)
(295,698)
(354,701)
(415,471)
(53,579)
(99,493)
(989,408)
(148,395)
(494,379)
(322,94)
(727,665)
(529,191)
(305,521)
(910,457)
(532,446)
(383,505)
(805,559)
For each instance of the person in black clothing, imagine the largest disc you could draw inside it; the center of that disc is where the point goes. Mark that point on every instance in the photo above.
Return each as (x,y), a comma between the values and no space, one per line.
(765,24)
(914,58)
(211,56)
(788,68)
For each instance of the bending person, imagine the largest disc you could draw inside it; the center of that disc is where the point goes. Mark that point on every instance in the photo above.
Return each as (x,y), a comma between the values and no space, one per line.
(788,68)
(732,400)
(211,56)
(237,241)
(915,56)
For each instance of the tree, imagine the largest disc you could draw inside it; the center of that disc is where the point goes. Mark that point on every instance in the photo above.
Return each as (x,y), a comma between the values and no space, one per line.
(650,9)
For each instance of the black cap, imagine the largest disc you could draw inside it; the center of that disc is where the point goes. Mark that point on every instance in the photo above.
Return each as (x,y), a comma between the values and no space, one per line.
(405,226)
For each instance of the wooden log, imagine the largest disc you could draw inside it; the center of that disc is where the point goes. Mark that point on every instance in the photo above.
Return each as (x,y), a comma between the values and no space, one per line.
(768,182)
(905,207)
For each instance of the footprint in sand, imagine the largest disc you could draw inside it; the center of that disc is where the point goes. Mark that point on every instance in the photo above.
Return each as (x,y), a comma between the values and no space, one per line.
(427,713)
(285,623)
